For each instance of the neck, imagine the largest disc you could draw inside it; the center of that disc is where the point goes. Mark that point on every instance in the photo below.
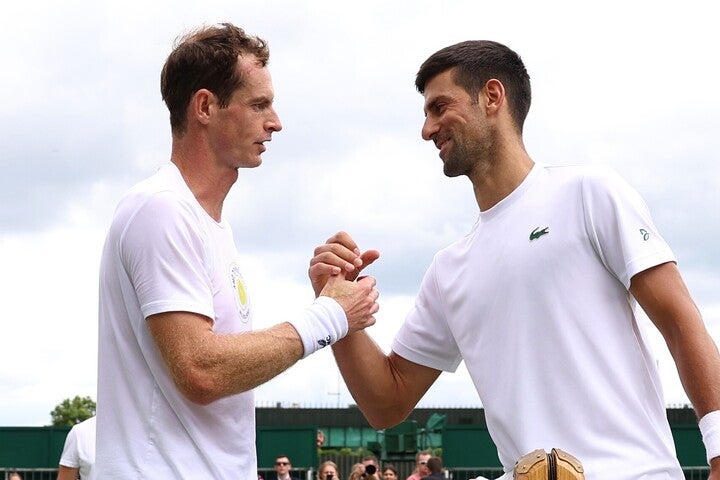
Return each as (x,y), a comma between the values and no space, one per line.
(209,182)
(496,178)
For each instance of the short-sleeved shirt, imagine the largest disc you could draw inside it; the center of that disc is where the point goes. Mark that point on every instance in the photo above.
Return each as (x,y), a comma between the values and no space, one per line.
(164,253)
(79,449)
(535,301)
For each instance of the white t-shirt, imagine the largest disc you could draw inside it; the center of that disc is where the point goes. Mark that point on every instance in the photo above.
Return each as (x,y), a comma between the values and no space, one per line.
(79,449)
(164,253)
(535,301)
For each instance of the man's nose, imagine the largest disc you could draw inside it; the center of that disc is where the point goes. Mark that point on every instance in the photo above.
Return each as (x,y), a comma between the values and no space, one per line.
(274,124)
(429,129)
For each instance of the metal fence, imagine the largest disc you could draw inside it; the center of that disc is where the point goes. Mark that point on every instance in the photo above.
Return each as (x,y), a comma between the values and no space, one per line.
(344,463)
(30,473)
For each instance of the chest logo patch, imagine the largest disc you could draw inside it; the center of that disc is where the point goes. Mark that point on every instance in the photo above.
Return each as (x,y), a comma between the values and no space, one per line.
(242,296)
(537,233)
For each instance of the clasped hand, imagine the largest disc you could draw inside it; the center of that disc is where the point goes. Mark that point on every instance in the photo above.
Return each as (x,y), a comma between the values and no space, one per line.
(335,266)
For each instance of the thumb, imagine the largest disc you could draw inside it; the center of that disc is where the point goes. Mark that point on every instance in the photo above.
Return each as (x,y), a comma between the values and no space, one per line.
(368,281)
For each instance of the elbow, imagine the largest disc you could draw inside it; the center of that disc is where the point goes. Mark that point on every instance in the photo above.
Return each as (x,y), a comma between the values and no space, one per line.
(386,418)
(199,387)
(381,423)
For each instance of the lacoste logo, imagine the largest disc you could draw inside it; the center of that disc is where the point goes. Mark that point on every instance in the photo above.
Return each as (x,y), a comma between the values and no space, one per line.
(537,233)
(645,234)
(324,342)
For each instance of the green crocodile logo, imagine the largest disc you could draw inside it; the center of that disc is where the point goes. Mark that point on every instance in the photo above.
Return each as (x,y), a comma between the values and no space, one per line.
(537,233)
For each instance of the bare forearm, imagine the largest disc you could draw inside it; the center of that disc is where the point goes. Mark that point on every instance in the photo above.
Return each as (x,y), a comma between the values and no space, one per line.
(698,364)
(372,381)
(248,360)
(223,365)
(663,295)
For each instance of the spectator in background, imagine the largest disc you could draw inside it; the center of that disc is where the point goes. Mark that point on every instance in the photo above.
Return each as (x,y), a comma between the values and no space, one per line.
(328,471)
(14,476)
(78,455)
(283,467)
(320,438)
(357,471)
(389,472)
(421,469)
(372,466)
(435,465)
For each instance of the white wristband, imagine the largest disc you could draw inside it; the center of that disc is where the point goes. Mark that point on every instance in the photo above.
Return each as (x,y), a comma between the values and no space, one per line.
(710,429)
(321,324)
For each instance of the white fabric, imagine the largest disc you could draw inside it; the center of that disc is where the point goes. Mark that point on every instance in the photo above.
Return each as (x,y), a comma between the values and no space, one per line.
(710,429)
(321,324)
(164,253)
(79,449)
(547,328)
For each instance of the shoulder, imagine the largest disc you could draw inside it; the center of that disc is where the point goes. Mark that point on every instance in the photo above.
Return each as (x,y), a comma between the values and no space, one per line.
(162,192)
(87,426)
(580,173)
(157,203)
(592,182)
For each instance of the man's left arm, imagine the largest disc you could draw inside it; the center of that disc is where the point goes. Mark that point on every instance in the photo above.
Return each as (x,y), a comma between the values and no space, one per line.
(662,293)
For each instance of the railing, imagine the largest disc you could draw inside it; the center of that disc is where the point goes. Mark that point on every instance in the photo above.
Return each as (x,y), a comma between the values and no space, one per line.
(691,473)
(30,473)
(696,473)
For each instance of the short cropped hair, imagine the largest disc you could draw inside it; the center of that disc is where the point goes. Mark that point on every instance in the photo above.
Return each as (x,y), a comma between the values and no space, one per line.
(206,58)
(476,62)
(435,464)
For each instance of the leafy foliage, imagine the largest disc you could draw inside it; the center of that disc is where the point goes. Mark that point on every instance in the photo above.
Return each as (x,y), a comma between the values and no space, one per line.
(72,411)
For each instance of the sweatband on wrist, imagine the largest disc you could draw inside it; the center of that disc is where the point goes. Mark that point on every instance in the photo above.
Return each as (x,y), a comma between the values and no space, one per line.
(321,324)
(710,429)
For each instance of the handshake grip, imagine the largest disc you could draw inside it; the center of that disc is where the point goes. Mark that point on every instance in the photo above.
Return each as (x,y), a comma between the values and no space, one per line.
(556,465)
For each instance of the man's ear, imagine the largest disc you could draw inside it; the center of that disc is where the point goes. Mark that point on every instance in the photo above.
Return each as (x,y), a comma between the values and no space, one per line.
(494,95)
(200,106)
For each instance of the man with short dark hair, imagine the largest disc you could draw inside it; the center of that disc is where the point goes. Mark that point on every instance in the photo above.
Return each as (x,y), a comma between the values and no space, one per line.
(372,467)
(283,468)
(178,356)
(435,466)
(540,299)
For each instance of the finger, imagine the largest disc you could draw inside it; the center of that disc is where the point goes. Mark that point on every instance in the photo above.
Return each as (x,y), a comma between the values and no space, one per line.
(369,256)
(366,259)
(319,270)
(344,239)
(338,257)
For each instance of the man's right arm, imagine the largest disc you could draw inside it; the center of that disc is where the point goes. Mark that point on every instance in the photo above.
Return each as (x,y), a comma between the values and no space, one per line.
(385,387)
(206,366)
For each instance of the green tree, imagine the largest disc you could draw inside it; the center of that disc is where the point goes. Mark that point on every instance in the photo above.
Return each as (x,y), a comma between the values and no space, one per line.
(72,411)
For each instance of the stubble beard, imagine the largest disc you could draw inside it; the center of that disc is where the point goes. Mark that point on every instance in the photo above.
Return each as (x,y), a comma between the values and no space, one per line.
(465,157)
(460,161)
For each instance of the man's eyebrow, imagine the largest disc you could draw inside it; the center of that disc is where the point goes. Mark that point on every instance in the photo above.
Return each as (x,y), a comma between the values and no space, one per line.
(431,102)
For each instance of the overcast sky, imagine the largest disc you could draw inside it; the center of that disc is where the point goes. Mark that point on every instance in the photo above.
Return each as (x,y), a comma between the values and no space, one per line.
(629,84)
